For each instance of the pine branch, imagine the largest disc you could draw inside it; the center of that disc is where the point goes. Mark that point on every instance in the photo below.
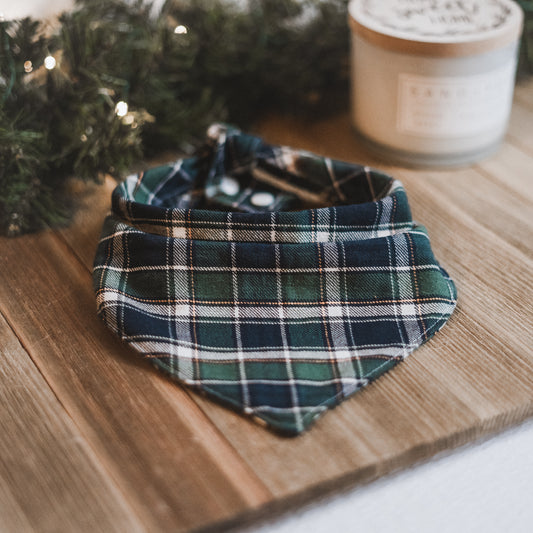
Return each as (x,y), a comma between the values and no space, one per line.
(525,64)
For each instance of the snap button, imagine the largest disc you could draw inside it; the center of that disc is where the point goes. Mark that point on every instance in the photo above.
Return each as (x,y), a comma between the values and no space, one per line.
(229,186)
(262,199)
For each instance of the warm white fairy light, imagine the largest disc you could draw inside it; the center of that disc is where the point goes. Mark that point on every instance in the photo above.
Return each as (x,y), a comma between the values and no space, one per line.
(121,109)
(28,66)
(49,62)
(128,119)
(180,30)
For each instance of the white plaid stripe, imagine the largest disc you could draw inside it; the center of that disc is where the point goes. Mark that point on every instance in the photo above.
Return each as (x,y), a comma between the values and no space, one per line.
(338,327)
(396,290)
(160,346)
(361,313)
(180,314)
(406,288)
(237,326)
(283,328)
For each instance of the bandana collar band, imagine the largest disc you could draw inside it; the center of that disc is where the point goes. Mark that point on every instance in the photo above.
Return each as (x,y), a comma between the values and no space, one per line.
(277,281)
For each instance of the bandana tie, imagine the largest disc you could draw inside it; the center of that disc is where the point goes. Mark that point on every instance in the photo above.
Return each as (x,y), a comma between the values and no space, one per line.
(276,281)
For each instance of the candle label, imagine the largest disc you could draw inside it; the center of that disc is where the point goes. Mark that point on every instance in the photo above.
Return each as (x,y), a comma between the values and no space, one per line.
(454,106)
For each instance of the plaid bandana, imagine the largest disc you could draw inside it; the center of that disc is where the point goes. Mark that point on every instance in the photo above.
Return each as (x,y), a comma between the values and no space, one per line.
(276,281)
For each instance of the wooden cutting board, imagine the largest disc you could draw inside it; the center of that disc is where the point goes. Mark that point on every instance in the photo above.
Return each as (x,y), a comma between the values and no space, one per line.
(93,439)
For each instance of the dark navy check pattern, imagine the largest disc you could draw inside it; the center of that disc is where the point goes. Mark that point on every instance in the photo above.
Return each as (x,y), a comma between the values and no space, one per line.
(276,281)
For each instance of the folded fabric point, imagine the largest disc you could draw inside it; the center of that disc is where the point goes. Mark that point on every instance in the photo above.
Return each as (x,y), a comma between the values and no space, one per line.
(276,281)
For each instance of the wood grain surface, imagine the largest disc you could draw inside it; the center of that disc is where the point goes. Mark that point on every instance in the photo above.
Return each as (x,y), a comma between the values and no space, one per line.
(93,439)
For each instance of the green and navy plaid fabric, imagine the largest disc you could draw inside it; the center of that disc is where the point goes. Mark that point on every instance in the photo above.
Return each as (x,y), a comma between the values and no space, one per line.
(276,281)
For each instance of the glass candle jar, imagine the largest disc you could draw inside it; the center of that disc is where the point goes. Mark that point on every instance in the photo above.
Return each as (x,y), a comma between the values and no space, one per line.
(433,80)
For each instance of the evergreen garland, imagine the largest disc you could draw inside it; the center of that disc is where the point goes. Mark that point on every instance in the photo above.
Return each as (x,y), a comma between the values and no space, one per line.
(196,62)
(525,64)
(114,83)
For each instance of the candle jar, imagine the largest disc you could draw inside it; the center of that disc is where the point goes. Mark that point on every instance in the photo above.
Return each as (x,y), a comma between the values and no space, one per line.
(433,80)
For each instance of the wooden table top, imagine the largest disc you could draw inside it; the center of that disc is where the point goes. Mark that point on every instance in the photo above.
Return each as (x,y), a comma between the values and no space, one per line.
(92,438)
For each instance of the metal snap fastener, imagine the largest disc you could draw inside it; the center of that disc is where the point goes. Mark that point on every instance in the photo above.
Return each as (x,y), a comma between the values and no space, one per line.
(229,186)
(262,199)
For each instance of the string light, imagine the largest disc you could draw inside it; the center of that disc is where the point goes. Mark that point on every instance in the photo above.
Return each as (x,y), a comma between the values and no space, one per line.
(49,62)
(181,30)
(84,136)
(121,109)
(28,66)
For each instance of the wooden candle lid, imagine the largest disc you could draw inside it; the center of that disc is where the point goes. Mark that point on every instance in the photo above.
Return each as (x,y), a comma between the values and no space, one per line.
(437,28)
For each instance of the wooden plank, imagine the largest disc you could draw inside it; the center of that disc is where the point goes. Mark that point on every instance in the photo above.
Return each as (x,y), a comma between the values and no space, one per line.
(511,167)
(12,516)
(495,274)
(45,462)
(477,193)
(92,202)
(473,378)
(333,137)
(521,123)
(170,463)
(524,92)
(521,130)
(363,443)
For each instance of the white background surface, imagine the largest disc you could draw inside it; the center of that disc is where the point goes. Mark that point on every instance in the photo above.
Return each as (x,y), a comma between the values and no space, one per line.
(482,488)
(33,8)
